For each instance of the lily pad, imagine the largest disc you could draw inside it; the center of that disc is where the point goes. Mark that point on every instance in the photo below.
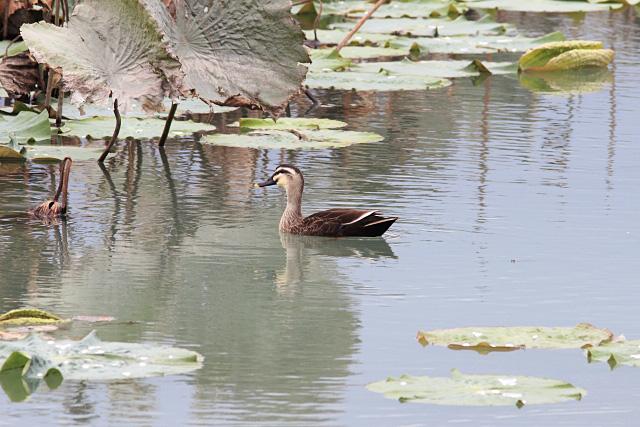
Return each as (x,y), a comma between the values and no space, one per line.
(299,123)
(325,60)
(566,55)
(333,37)
(395,9)
(240,53)
(91,359)
(132,127)
(429,27)
(555,6)
(368,81)
(195,106)
(487,339)
(616,353)
(25,127)
(566,82)
(369,52)
(28,316)
(441,69)
(56,153)
(473,44)
(21,373)
(108,47)
(477,390)
(14,48)
(298,140)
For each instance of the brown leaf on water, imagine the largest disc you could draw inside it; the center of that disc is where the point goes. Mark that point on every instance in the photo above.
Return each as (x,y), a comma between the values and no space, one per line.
(93,319)
(11,336)
(18,74)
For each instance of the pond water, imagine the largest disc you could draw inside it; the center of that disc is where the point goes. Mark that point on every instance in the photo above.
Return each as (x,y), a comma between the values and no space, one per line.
(517,208)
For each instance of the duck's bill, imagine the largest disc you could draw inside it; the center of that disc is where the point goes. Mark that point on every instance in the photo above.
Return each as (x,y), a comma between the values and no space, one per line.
(267,183)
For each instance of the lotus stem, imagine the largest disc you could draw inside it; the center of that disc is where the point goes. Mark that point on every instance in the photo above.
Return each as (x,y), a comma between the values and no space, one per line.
(360,23)
(65,10)
(5,20)
(116,131)
(311,97)
(317,21)
(56,14)
(60,104)
(47,98)
(167,125)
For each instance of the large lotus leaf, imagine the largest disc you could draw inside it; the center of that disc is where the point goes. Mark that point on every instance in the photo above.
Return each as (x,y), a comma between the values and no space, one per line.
(109,46)
(327,60)
(296,140)
(28,316)
(616,353)
(368,81)
(93,359)
(368,52)
(26,126)
(240,53)
(486,339)
(132,127)
(566,82)
(395,9)
(556,6)
(429,27)
(333,37)
(566,55)
(298,123)
(441,69)
(478,390)
(473,44)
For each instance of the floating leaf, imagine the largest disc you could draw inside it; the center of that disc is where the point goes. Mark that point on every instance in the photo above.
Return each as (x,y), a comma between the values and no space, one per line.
(240,53)
(324,60)
(477,390)
(56,153)
(108,46)
(395,9)
(14,48)
(196,106)
(333,37)
(299,123)
(616,353)
(93,319)
(132,127)
(555,6)
(11,155)
(487,339)
(429,27)
(25,127)
(567,55)
(441,69)
(566,82)
(369,52)
(28,316)
(368,81)
(296,140)
(473,44)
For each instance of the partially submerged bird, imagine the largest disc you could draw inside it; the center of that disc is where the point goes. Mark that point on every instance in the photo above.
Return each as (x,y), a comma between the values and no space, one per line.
(332,222)
(57,207)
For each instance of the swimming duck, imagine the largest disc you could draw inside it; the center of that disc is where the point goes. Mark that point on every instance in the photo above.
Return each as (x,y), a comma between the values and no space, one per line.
(55,208)
(332,222)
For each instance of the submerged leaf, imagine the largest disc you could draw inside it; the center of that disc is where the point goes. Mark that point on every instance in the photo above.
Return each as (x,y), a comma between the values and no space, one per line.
(25,127)
(293,139)
(616,353)
(132,127)
(566,55)
(241,53)
(487,339)
(108,46)
(477,390)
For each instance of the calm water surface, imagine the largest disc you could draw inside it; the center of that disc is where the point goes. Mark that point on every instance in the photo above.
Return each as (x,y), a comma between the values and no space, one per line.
(517,208)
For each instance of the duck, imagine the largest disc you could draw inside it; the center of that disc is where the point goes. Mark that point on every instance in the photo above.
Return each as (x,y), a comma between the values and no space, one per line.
(56,208)
(328,223)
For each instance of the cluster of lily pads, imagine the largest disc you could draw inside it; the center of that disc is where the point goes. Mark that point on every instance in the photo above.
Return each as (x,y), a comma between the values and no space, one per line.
(599,345)
(407,31)
(28,360)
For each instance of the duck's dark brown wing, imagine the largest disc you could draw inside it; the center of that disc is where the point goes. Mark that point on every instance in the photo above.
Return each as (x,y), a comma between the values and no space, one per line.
(347,222)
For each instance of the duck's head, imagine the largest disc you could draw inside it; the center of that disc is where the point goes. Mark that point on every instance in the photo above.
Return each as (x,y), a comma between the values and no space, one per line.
(285,176)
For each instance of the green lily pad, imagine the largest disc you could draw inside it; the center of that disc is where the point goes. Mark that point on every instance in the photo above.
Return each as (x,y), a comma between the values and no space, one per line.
(195,106)
(429,27)
(555,6)
(477,390)
(473,44)
(91,359)
(566,55)
(395,9)
(28,316)
(487,339)
(21,374)
(14,48)
(333,37)
(324,60)
(286,123)
(298,140)
(440,69)
(566,82)
(25,127)
(132,127)
(56,153)
(368,81)
(369,52)
(616,353)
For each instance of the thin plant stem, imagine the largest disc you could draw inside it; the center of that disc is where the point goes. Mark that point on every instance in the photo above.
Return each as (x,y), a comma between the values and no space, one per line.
(56,17)
(317,21)
(60,104)
(5,20)
(167,125)
(116,131)
(47,98)
(65,9)
(360,23)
